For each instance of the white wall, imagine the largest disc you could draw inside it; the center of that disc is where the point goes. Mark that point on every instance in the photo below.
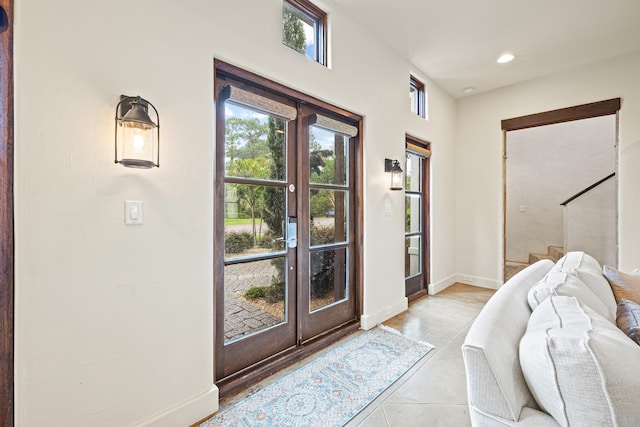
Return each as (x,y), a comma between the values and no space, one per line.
(114,324)
(479,147)
(590,223)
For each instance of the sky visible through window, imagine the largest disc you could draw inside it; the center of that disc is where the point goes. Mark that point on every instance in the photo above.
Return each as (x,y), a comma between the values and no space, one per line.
(245,116)
(299,31)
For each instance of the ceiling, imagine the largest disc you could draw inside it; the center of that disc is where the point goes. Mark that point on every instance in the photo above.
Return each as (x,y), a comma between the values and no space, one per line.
(456,42)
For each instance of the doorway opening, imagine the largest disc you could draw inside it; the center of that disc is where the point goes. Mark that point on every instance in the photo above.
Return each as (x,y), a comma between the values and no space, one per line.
(287,216)
(560,187)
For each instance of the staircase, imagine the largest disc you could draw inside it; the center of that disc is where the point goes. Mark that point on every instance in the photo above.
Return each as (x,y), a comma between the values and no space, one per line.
(554,253)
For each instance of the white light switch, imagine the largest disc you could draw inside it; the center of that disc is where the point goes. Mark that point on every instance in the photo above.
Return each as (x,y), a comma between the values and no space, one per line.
(387,210)
(133,213)
(523,208)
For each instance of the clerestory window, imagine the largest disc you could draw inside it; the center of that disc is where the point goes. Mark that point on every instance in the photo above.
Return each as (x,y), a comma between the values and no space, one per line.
(304,29)
(417,97)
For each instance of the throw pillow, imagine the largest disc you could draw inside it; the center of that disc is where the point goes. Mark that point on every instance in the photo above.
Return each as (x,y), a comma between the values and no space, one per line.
(623,285)
(588,270)
(628,319)
(558,282)
(580,368)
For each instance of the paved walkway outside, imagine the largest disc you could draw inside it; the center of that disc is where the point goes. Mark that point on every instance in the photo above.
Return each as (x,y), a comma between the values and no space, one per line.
(242,318)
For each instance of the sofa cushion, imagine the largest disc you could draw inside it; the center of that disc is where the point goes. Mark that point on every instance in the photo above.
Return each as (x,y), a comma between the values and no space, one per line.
(580,367)
(558,282)
(628,319)
(588,270)
(623,285)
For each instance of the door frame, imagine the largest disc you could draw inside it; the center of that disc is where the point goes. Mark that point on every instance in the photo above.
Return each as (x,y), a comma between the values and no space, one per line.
(234,382)
(6,216)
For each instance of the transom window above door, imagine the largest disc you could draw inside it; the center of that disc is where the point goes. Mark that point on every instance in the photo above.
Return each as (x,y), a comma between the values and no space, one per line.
(304,29)
(417,97)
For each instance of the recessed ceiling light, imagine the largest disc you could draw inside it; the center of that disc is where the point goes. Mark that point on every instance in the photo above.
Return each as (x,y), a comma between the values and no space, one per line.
(507,57)
(468,90)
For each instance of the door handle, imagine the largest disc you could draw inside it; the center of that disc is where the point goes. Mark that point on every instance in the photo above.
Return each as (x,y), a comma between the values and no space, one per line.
(292,232)
(291,238)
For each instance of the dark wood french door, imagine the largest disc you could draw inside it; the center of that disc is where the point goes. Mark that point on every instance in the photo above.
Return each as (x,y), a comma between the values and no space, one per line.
(285,222)
(417,218)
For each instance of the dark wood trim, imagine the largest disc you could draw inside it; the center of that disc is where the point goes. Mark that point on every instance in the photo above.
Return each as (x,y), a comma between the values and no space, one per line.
(417,295)
(218,227)
(359,212)
(504,205)
(6,216)
(578,112)
(427,218)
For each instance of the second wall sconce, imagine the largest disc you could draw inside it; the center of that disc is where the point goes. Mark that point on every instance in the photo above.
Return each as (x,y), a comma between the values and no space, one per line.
(137,135)
(394,169)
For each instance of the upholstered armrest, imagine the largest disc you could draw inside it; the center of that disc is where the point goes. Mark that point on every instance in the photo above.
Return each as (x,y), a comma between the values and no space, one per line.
(495,384)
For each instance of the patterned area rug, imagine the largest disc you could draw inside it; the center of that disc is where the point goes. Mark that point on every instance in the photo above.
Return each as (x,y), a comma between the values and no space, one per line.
(332,389)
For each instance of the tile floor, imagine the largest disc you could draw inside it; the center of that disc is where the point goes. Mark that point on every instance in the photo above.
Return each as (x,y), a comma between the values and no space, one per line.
(433,392)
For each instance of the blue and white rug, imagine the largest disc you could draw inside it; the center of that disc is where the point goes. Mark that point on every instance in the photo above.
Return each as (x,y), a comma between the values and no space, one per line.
(332,389)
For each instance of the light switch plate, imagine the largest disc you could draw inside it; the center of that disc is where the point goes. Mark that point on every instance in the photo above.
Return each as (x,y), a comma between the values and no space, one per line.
(133,212)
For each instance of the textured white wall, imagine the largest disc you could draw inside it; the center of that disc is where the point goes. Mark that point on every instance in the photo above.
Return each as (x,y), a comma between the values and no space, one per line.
(591,223)
(114,324)
(479,146)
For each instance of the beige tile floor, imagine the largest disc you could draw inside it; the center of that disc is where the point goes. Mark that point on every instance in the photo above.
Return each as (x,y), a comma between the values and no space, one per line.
(433,392)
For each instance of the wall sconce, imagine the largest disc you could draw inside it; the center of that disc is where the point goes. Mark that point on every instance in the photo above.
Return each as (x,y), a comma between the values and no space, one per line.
(394,169)
(137,135)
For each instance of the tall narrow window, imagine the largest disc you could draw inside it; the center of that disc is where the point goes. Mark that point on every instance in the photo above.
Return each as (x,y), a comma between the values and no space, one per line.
(417,97)
(303,29)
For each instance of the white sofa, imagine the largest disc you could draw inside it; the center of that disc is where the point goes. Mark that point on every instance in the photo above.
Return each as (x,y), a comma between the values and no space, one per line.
(563,363)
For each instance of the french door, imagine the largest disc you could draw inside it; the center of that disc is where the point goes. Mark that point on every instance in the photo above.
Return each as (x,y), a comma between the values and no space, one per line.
(284,270)
(417,217)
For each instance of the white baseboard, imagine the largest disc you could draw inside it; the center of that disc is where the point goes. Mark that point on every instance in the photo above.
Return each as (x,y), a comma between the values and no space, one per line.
(368,321)
(481,282)
(478,281)
(186,413)
(434,288)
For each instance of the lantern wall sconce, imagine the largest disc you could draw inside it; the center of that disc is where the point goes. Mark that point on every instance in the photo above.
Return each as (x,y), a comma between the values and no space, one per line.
(137,142)
(394,169)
